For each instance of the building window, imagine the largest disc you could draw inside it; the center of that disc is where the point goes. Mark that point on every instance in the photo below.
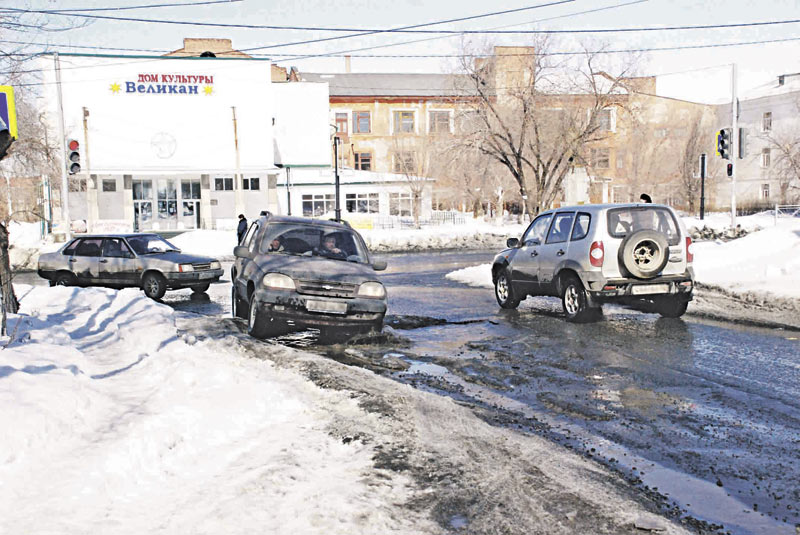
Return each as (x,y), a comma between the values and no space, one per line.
(660,132)
(600,158)
(403,122)
(362,203)
(223,184)
(109,185)
(400,204)
(604,120)
(765,191)
(439,122)
(766,122)
(621,159)
(363,161)
(765,158)
(251,183)
(341,123)
(319,204)
(404,162)
(361,122)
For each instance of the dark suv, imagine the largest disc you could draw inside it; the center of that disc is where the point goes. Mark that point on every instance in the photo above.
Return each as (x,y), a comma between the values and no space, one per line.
(292,273)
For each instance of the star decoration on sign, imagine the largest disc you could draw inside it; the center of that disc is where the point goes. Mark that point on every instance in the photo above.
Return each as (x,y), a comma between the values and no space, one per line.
(208,90)
(115,87)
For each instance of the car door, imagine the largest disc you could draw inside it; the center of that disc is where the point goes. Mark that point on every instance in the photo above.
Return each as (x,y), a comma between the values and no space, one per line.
(84,263)
(525,264)
(555,248)
(118,265)
(244,266)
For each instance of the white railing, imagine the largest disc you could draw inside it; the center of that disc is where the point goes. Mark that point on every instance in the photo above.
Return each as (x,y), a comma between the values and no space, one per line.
(789,210)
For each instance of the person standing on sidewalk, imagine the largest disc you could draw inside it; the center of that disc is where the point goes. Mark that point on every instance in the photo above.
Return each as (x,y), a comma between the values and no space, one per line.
(241,229)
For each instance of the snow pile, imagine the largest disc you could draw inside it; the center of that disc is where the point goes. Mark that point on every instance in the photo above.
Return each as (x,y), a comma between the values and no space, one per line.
(213,243)
(114,423)
(471,235)
(766,261)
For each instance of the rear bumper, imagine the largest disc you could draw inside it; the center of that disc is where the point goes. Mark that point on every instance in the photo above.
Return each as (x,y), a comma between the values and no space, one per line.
(603,290)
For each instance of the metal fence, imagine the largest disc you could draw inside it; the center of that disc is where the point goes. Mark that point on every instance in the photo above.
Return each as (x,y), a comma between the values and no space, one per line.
(437,218)
(786,210)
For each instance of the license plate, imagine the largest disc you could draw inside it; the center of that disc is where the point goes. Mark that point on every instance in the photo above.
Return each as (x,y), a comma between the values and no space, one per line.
(205,276)
(330,307)
(644,289)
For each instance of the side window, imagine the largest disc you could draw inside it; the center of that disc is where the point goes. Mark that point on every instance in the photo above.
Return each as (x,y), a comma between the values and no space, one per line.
(581,228)
(537,229)
(116,248)
(562,225)
(69,250)
(248,238)
(89,247)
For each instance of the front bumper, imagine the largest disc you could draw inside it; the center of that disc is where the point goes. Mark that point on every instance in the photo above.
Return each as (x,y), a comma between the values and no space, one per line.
(182,280)
(293,308)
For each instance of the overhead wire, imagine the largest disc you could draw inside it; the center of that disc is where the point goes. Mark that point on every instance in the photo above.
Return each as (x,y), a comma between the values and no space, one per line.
(123,8)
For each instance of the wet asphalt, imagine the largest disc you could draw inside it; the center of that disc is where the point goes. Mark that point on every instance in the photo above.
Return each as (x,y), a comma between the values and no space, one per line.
(702,418)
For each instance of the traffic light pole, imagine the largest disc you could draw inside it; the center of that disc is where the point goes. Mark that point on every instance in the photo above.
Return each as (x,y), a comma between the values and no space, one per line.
(734,149)
(65,160)
(702,186)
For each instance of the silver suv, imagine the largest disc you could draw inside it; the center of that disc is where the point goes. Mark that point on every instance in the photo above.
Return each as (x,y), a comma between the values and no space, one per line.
(593,254)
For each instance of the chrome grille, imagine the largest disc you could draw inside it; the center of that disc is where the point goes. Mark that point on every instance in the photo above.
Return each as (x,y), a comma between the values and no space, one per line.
(201,267)
(326,288)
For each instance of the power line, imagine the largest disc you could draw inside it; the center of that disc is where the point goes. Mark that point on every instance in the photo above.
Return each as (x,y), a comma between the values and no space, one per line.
(122,8)
(414,29)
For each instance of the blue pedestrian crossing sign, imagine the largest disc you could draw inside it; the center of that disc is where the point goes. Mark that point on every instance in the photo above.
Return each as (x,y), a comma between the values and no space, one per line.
(8,112)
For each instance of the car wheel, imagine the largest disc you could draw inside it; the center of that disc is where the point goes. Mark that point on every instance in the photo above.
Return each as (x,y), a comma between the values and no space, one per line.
(575,302)
(671,307)
(63,279)
(154,286)
(644,253)
(256,324)
(200,288)
(504,291)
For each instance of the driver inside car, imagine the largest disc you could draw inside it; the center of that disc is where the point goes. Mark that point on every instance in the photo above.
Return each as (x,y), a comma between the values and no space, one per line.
(330,249)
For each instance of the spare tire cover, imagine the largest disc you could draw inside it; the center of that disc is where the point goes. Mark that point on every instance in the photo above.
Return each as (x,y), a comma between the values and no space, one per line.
(643,254)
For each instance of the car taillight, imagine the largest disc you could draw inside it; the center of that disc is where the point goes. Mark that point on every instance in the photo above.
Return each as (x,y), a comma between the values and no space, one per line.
(689,255)
(596,254)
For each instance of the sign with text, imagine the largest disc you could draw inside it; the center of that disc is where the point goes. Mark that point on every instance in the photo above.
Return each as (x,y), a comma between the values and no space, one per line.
(8,112)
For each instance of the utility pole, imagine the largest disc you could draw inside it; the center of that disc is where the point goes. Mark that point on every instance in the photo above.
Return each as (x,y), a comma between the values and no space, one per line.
(734,128)
(288,190)
(237,182)
(91,191)
(702,185)
(63,140)
(337,210)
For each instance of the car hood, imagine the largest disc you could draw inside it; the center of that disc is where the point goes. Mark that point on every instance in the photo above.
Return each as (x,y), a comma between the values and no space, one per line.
(317,268)
(179,258)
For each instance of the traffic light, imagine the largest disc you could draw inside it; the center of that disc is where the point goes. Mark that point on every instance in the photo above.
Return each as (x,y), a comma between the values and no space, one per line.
(730,169)
(73,156)
(724,143)
(8,119)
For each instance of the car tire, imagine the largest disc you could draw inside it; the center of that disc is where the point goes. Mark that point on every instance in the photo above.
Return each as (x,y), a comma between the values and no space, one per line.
(644,254)
(63,279)
(504,290)
(671,306)
(256,323)
(575,302)
(200,288)
(154,286)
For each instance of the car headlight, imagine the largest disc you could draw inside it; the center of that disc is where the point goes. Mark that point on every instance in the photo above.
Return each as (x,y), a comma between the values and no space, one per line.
(278,281)
(372,289)
(185,268)
(216,265)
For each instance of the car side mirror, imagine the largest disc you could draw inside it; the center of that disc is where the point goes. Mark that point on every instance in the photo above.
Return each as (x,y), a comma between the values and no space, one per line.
(240,251)
(379,265)
(512,242)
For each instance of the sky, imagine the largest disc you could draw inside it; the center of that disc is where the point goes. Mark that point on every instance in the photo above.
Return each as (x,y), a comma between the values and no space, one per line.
(702,75)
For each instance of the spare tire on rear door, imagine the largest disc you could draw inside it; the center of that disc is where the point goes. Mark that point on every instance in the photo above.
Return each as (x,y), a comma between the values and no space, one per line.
(643,254)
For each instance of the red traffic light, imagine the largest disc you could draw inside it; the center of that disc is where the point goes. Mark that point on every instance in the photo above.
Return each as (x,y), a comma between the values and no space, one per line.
(73,144)
(730,169)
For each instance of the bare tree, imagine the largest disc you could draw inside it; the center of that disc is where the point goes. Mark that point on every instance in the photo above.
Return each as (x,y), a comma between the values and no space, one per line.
(418,159)
(785,142)
(535,115)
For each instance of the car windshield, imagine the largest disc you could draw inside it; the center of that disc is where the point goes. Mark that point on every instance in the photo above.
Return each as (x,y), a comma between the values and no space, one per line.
(151,244)
(311,240)
(624,221)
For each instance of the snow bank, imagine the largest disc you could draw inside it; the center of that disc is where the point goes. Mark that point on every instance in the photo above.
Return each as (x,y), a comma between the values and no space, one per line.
(114,423)
(213,243)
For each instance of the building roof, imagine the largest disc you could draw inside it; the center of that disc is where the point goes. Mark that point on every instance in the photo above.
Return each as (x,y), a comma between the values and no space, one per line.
(194,47)
(388,85)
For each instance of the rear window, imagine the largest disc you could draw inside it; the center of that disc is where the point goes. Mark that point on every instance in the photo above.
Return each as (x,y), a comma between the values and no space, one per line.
(624,221)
